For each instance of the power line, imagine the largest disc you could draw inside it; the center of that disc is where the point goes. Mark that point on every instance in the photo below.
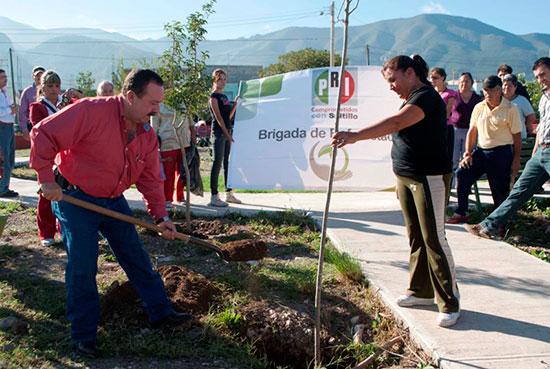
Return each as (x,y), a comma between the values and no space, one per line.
(277,17)
(75,56)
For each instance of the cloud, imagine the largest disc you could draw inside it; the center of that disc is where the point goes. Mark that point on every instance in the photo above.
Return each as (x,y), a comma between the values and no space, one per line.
(434,8)
(268,27)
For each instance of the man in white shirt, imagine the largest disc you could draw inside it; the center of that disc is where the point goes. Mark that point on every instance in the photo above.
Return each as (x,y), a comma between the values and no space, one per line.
(7,137)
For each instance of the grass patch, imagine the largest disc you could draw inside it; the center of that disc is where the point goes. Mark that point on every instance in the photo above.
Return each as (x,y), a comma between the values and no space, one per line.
(292,280)
(9,252)
(24,172)
(10,207)
(541,254)
(23,153)
(32,290)
(346,265)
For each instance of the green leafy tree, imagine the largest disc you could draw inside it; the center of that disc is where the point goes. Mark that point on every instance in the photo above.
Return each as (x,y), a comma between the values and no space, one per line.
(182,67)
(534,89)
(535,92)
(117,78)
(85,83)
(299,60)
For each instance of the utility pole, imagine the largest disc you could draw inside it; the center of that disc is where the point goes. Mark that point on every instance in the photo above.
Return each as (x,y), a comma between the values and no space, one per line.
(332,34)
(12,79)
(368,55)
(19,75)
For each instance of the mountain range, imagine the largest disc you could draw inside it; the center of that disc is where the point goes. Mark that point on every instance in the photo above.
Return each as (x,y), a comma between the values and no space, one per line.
(457,44)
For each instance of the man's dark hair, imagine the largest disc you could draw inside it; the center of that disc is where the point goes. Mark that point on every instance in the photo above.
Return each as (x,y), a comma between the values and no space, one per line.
(138,79)
(504,68)
(2,71)
(542,62)
(491,82)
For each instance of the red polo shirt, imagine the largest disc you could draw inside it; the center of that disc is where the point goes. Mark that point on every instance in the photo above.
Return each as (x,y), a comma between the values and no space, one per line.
(88,143)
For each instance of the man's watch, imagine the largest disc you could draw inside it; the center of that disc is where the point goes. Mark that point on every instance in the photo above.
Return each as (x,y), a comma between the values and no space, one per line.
(163,219)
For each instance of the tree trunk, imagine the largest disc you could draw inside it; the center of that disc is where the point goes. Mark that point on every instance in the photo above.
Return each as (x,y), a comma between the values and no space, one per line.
(318,283)
(187,174)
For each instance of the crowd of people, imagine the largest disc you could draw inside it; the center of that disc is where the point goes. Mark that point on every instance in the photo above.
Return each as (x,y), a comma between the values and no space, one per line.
(94,149)
(487,139)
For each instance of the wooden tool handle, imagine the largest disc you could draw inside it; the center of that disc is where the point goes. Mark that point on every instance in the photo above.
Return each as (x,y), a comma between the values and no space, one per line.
(139,222)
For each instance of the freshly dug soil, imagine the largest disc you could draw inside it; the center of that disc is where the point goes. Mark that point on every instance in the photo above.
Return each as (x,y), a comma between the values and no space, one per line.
(191,292)
(201,228)
(244,250)
(188,290)
(283,334)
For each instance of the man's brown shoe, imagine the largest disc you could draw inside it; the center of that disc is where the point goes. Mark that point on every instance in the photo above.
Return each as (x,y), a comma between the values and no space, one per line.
(478,230)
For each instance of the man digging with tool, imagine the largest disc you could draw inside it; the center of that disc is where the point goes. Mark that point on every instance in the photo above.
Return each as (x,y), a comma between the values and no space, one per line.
(101,146)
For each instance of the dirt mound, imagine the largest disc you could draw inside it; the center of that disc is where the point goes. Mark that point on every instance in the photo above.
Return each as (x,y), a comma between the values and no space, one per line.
(244,250)
(283,334)
(188,290)
(209,227)
(201,228)
(121,306)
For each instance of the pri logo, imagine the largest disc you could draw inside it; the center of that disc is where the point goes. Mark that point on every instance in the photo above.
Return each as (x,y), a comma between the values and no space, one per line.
(325,86)
(322,170)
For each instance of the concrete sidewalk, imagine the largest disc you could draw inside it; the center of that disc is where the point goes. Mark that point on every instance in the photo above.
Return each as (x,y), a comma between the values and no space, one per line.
(505,318)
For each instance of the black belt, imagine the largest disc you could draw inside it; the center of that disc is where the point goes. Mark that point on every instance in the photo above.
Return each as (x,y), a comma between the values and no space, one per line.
(62,182)
(545,145)
(6,124)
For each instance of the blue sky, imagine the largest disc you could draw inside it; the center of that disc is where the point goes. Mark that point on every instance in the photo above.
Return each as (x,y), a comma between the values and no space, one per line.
(245,18)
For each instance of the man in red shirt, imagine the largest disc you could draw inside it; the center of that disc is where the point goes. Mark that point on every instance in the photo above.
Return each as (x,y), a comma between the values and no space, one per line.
(101,146)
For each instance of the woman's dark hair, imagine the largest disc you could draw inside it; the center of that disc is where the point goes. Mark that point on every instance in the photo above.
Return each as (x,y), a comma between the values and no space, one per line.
(439,71)
(467,74)
(404,62)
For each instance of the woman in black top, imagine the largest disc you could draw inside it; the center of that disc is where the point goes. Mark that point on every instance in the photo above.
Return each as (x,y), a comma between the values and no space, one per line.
(222,129)
(423,171)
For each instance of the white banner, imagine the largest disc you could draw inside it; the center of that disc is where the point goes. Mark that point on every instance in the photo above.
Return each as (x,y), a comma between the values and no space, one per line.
(284,123)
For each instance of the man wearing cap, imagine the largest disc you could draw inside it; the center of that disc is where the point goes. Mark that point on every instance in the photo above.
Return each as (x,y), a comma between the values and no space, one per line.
(496,126)
(537,169)
(28,96)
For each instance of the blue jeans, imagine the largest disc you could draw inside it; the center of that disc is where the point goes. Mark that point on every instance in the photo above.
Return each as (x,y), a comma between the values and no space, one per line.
(222,146)
(7,145)
(79,228)
(497,164)
(535,174)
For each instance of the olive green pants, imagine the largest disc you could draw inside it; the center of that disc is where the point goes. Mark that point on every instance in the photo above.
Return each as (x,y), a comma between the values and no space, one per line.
(432,268)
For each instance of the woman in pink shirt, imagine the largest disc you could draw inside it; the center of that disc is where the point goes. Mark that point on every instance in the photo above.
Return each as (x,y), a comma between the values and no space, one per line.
(438,76)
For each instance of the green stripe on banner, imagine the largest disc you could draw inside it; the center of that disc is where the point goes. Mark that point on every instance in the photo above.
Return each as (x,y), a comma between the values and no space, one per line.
(272,86)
